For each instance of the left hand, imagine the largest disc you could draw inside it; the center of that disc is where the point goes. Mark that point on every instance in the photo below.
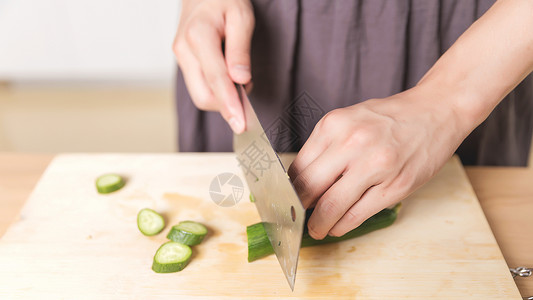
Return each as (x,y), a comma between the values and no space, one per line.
(366,157)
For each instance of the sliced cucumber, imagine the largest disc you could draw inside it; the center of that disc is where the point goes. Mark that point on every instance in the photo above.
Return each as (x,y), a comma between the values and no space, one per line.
(109,183)
(150,222)
(171,257)
(187,232)
(259,245)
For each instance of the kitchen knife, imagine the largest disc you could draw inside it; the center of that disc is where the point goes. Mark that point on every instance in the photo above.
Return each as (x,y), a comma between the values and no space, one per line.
(276,200)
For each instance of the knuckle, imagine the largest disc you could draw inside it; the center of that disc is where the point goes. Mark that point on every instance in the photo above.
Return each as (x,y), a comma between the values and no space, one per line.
(386,157)
(179,49)
(204,103)
(352,218)
(302,184)
(404,184)
(193,32)
(329,207)
(349,221)
(362,137)
(329,120)
(293,172)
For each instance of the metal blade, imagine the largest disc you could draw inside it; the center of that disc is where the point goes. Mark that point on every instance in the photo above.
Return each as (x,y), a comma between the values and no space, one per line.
(275,198)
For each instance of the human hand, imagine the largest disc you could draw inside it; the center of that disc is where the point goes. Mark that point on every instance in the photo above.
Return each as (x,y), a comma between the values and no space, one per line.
(210,71)
(366,157)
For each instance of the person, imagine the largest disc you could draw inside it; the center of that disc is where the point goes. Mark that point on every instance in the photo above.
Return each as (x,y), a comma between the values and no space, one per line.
(433,71)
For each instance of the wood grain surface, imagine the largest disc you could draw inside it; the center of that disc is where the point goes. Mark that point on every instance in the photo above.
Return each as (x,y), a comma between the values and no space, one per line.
(18,175)
(507,195)
(72,242)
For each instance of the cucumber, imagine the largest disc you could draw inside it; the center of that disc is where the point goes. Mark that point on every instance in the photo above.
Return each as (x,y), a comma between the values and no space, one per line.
(109,183)
(171,257)
(187,232)
(259,245)
(150,222)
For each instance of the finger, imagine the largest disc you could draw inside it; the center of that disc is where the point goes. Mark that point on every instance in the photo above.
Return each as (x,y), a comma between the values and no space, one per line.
(313,147)
(319,176)
(200,93)
(332,206)
(239,31)
(206,44)
(372,202)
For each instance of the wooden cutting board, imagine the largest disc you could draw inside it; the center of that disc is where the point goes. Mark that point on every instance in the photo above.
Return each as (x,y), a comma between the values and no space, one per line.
(72,243)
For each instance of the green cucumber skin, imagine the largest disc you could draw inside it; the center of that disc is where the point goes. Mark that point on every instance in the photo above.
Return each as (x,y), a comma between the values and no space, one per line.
(187,238)
(170,267)
(259,246)
(109,189)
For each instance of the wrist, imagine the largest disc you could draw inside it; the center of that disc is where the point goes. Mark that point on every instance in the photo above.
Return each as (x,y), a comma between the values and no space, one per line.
(467,102)
(443,110)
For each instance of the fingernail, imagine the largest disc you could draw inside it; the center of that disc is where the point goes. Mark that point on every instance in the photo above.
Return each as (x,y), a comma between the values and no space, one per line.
(235,125)
(242,73)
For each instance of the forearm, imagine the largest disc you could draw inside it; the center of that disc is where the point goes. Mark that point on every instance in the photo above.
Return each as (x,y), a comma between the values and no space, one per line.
(485,63)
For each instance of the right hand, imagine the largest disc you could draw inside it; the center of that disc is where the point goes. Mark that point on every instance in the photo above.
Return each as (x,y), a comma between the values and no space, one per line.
(210,72)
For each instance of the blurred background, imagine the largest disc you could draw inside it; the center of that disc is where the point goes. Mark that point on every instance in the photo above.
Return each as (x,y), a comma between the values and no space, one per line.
(87,75)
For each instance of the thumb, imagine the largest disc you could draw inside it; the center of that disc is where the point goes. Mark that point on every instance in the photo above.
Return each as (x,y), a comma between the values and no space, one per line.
(231,109)
(240,24)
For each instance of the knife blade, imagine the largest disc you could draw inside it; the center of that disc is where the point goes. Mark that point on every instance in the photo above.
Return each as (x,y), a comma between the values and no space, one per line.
(276,200)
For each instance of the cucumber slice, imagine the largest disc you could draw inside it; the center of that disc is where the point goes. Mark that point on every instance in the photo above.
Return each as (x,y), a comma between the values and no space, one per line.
(109,183)
(187,232)
(171,257)
(150,222)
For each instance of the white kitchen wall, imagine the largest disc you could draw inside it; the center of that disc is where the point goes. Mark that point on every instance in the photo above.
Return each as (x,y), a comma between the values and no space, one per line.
(124,40)
(87,75)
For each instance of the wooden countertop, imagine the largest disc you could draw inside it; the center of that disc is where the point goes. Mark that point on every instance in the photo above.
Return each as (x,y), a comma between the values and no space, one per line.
(505,194)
